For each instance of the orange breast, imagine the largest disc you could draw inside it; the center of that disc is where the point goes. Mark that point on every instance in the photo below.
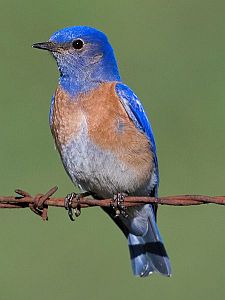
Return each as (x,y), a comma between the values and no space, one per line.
(66,118)
(108,125)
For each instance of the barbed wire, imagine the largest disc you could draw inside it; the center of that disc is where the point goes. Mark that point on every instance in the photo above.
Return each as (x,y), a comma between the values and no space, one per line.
(39,203)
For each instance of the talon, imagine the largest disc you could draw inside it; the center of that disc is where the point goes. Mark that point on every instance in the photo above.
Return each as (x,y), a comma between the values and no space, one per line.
(68,205)
(69,201)
(118,205)
(77,210)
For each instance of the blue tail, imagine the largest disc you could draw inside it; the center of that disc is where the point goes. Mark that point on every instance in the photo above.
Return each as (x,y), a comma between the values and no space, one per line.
(147,252)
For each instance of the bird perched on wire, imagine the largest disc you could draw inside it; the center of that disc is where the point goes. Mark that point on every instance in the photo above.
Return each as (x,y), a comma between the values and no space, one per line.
(105,139)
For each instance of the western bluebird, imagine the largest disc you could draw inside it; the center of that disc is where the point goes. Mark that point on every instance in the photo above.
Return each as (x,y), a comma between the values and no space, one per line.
(105,139)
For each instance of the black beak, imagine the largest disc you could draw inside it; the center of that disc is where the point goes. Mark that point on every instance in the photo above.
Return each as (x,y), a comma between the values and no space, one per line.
(50,46)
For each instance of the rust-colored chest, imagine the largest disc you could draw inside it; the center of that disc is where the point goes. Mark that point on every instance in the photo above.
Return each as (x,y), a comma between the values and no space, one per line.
(108,126)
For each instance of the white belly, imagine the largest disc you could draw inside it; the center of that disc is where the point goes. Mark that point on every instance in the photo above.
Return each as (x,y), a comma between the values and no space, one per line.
(99,171)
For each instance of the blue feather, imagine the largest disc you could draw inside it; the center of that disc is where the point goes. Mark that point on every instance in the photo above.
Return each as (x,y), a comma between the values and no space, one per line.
(82,71)
(136,112)
(51,110)
(147,252)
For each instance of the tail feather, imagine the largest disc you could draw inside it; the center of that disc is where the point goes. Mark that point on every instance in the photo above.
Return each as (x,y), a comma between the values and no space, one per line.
(147,252)
(141,264)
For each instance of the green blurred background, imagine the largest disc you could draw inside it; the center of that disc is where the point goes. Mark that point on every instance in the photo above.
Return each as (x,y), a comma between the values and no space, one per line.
(172,54)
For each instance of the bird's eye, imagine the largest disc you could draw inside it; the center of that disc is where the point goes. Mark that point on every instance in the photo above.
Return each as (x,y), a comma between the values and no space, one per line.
(77,44)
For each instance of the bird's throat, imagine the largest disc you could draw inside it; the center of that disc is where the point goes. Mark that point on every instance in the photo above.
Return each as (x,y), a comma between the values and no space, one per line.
(75,85)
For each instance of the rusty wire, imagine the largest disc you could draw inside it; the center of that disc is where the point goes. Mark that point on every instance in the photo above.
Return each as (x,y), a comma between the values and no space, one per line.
(39,204)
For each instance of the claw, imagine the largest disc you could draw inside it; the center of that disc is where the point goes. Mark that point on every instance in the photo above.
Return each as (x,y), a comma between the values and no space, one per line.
(69,201)
(118,205)
(68,205)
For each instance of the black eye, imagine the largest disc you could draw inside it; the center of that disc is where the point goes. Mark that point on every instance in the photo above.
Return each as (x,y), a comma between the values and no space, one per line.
(78,44)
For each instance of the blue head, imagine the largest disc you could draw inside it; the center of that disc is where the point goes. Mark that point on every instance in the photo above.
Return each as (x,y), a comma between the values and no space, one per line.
(84,57)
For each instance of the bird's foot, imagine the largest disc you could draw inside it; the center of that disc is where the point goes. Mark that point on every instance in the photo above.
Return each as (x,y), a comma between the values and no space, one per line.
(118,205)
(68,203)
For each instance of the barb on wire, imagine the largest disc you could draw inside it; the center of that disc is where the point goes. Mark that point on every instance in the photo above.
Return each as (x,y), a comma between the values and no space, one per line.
(40,203)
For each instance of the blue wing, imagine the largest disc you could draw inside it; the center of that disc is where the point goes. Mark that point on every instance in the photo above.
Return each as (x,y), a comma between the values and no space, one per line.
(136,112)
(147,252)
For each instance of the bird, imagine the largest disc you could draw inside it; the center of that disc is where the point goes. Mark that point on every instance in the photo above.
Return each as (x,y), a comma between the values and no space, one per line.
(105,139)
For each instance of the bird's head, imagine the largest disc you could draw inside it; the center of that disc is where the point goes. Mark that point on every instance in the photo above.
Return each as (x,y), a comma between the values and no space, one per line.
(84,57)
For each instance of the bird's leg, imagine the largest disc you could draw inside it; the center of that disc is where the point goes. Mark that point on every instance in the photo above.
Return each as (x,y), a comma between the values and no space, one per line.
(68,201)
(68,205)
(118,205)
